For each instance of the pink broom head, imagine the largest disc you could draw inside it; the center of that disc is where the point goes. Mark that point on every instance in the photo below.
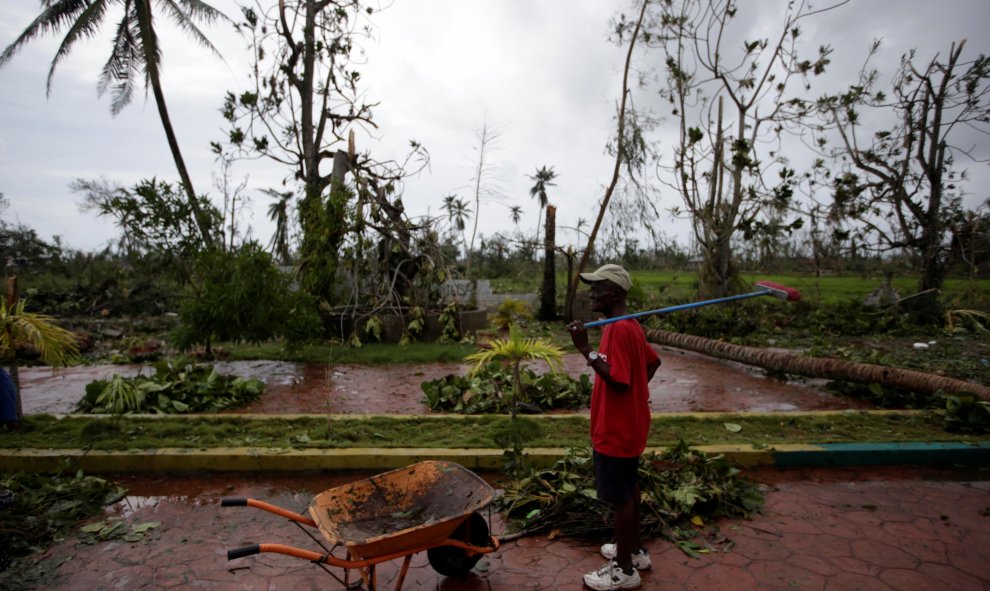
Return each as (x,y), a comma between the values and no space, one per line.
(780,291)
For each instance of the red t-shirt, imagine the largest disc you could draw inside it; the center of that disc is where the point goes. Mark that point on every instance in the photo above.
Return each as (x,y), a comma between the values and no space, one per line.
(620,420)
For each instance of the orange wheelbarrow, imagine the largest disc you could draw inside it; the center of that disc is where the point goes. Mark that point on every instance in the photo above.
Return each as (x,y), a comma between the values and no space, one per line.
(431,506)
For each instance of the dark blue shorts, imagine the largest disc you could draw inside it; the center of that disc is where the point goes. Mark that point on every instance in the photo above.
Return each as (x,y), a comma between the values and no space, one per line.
(615,478)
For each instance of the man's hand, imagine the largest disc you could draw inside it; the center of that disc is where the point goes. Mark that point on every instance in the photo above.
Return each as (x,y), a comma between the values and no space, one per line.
(579,336)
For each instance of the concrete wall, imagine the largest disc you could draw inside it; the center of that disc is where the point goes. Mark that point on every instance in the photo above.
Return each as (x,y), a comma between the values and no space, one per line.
(461,291)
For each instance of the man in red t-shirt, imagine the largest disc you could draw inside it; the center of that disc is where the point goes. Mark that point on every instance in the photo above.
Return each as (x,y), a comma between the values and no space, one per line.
(620,421)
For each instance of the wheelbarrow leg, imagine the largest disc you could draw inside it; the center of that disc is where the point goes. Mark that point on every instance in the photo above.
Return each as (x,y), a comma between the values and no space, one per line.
(402,572)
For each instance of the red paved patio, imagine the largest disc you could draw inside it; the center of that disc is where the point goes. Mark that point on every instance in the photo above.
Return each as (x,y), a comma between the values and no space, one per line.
(875,528)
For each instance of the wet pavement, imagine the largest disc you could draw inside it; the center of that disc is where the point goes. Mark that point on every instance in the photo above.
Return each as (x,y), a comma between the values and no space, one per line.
(686,382)
(877,528)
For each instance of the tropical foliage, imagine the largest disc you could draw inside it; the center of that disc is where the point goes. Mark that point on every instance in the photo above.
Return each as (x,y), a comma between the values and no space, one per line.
(967,414)
(513,351)
(488,391)
(511,311)
(177,386)
(55,345)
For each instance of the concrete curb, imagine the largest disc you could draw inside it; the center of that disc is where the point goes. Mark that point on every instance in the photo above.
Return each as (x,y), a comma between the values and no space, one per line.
(243,459)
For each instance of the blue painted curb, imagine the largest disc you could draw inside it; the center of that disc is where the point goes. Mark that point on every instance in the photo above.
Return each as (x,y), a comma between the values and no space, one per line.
(859,454)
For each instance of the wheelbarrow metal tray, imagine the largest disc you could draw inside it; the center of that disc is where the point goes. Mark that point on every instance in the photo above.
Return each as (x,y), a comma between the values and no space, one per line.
(415,507)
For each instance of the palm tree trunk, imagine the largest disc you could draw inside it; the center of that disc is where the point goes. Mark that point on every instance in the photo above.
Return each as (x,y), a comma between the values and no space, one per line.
(180,165)
(516,388)
(151,63)
(817,367)
(15,376)
(548,294)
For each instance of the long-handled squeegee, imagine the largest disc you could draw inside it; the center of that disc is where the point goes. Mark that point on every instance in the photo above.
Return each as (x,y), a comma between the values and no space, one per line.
(766,288)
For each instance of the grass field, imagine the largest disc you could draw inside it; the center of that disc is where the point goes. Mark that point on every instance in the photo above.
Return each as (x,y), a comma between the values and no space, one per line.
(672,287)
(681,287)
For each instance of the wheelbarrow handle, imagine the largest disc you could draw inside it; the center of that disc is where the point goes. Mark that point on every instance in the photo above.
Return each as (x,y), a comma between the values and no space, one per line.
(242,552)
(290,515)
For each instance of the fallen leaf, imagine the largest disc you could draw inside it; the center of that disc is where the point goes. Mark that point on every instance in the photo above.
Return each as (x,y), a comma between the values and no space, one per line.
(92,528)
(141,528)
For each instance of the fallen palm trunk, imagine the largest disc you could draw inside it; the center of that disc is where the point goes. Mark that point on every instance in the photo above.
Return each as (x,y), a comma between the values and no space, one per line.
(819,367)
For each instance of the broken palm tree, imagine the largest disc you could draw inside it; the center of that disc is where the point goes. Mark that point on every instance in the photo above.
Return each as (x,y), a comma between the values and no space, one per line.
(818,367)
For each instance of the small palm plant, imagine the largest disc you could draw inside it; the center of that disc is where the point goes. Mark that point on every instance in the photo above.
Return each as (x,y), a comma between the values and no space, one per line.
(514,351)
(54,344)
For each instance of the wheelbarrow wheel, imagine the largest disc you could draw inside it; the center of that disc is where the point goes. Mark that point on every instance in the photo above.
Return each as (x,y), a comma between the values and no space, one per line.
(451,561)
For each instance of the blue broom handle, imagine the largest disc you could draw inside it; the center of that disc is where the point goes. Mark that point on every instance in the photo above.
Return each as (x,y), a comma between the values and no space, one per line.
(741,296)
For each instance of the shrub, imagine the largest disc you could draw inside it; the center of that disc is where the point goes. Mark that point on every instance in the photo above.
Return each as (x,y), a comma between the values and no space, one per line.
(241,296)
(489,391)
(511,311)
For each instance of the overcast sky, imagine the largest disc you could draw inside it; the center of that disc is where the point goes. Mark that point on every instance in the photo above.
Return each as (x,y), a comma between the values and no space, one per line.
(542,72)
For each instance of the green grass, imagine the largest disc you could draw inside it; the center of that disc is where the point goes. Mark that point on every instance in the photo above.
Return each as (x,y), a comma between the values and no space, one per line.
(367,354)
(672,287)
(129,433)
(679,286)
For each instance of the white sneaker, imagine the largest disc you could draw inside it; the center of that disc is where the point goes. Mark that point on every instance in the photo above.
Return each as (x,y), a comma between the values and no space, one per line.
(640,559)
(610,577)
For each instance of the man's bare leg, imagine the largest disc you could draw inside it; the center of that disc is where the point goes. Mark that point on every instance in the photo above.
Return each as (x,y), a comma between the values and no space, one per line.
(627,535)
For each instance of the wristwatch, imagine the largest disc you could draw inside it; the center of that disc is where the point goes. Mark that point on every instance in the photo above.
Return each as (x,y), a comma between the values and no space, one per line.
(592,357)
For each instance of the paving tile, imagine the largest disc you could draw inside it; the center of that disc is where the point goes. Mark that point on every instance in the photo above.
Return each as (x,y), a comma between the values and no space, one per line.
(882,555)
(856,582)
(673,569)
(824,545)
(925,550)
(855,566)
(784,575)
(913,579)
(722,577)
(953,578)
(814,564)
(972,555)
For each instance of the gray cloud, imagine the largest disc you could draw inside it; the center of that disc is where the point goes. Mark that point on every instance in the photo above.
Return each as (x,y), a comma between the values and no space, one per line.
(544,72)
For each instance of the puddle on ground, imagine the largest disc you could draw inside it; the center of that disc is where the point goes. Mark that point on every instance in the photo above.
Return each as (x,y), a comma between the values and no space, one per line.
(686,382)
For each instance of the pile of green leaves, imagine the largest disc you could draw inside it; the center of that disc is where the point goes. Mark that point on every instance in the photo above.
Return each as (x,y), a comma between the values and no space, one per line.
(681,490)
(490,391)
(967,414)
(886,396)
(115,528)
(177,386)
(46,507)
